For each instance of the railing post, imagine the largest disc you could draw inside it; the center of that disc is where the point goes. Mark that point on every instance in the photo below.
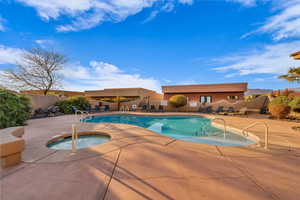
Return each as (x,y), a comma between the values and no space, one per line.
(266,136)
(224,123)
(266,131)
(74,139)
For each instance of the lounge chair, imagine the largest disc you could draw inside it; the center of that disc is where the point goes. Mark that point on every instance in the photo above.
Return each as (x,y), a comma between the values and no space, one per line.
(40,113)
(242,112)
(76,110)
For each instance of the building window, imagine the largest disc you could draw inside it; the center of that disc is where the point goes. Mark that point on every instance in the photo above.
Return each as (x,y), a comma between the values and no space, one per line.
(205,99)
(233,97)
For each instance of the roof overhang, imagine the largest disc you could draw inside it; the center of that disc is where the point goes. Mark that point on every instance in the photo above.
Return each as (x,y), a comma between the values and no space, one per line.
(206,88)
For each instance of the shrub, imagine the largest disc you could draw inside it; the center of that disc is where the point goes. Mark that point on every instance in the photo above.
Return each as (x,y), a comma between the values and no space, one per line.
(280,100)
(15,109)
(295,104)
(65,106)
(178,101)
(279,107)
(279,111)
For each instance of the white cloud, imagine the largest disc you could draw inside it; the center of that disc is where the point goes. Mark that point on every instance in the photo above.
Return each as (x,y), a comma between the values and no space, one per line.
(85,14)
(97,75)
(168,7)
(186,1)
(2,22)
(271,59)
(286,23)
(101,75)
(44,43)
(244,2)
(9,55)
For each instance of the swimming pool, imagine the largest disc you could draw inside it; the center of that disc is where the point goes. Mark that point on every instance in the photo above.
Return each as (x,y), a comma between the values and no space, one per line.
(188,128)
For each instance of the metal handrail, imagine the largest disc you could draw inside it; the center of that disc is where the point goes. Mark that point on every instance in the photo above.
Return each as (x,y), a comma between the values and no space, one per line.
(266,131)
(81,112)
(224,123)
(74,138)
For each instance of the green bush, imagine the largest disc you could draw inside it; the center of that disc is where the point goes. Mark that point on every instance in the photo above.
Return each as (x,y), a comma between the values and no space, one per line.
(80,103)
(279,111)
(14,109)
(280,100)
(178,101)
(279,107)
(295,104)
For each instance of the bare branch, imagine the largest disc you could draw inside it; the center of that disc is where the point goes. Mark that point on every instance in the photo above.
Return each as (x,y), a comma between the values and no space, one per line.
(37,70)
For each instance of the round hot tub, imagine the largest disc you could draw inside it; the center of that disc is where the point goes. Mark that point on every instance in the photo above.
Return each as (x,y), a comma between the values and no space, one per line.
(84,141)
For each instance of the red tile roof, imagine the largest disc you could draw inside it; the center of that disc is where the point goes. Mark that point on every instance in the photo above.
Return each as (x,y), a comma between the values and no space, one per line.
(226,87)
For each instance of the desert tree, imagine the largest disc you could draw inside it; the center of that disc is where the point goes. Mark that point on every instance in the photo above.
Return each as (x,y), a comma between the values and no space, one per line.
(37,69)
(293,75)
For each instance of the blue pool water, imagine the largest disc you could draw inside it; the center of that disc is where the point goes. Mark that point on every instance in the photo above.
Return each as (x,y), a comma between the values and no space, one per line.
(82,142)
(189,128)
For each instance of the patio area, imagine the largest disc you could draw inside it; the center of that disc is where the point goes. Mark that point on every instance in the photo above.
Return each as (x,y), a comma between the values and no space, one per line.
(141,164)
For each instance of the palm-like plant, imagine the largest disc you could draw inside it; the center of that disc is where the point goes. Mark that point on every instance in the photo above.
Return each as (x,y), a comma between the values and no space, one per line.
(293,75)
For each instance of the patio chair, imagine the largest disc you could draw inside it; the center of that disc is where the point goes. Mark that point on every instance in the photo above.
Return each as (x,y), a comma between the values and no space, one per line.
(201,110)
(97,108)
(133,107)
(152,108)
(53,111)
(144,108)
(87,109)
(231,110)
(220,109)
(106,108)
(208,110)
(160,108)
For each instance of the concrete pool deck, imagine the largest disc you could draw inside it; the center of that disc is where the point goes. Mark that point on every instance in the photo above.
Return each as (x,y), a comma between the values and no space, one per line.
(140,164)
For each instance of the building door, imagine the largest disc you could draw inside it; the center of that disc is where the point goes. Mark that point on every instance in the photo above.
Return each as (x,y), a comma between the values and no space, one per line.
(205,99)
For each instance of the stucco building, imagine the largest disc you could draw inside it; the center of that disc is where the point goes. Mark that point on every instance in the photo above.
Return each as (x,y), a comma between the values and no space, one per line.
(207,93)
(118,95)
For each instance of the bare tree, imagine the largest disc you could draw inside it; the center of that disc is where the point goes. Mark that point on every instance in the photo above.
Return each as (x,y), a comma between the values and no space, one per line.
(38,69)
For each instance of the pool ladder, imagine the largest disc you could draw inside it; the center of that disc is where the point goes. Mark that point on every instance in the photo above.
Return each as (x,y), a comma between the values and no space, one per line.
(74,139)
(224,125)
(244,130)
(245,133)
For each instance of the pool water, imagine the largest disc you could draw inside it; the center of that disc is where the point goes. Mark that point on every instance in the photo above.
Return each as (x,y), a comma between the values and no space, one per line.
(82,142)
(189,128)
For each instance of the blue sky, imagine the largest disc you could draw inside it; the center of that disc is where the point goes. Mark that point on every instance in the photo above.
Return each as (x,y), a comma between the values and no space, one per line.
(149,43)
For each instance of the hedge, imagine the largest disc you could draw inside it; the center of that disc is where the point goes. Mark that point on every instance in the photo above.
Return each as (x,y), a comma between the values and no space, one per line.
(178,101)
(295,104)
(80,103)
(15,109)
(279,107)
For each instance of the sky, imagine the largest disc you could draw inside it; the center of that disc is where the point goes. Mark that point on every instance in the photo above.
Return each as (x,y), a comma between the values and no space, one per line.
(149,43)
